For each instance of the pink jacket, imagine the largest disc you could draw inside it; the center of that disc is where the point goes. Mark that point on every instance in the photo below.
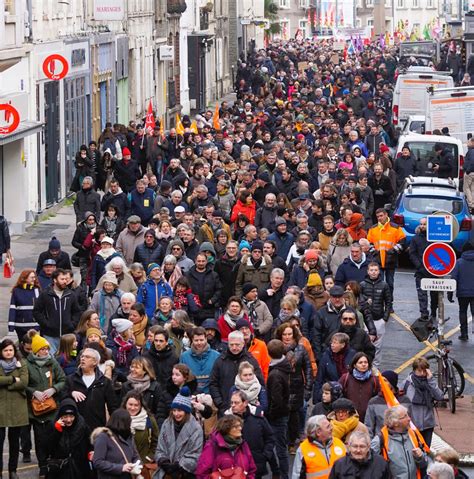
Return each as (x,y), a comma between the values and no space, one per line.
(217,455)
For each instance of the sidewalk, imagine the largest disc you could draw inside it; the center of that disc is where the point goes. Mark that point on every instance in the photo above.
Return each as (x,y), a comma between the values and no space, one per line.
(26,249)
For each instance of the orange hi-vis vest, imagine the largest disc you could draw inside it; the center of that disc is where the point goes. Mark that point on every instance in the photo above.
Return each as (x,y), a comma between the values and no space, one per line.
(385,237)
(415,440)
(318,466)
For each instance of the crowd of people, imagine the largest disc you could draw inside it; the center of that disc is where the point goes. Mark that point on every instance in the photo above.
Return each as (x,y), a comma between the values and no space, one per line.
(234,283)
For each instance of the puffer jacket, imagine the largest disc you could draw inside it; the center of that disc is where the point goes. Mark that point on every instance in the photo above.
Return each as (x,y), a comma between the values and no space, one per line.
(326,322)
(374,467)
(351,271)
(379,297)
(249,274)
(208,289)
(150,293)
(227,270)
(146,255)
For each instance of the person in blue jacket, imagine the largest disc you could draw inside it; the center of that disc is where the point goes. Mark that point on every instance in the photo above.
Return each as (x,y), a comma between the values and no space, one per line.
(284,240)
(153,289)
(463,273)
(353,268)
(200,359)
(142,201)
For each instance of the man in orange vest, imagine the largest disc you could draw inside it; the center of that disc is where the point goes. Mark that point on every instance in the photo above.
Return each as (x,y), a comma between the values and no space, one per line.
(400,445)
(388,240)
(319,451)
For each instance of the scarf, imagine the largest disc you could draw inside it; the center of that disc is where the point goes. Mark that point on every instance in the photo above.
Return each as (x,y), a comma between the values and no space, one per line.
(41,361)
(250,388)
(161,318)
(253,316)
(139,331)
(181,299)
(139,421)
(232,443)
(284,316)
(105,254)
(422,395)
(111,225)
(9,366)
(124,347)
(139,385)
(102,317)
(339,357)
(361,376)
(231,319)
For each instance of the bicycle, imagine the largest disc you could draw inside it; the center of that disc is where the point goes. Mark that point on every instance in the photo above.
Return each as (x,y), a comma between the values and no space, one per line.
(450,373)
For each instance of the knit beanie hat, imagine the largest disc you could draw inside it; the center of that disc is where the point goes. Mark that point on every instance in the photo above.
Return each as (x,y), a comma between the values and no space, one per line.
(247,287)
(311,254)
(183,400)
(38,343)
(257,244)
(392,378)
(314,279)
(67,406)
(151,267)
(54,244)
(242,323)
(121,324)
(91,331)
(244,244)
(110,277)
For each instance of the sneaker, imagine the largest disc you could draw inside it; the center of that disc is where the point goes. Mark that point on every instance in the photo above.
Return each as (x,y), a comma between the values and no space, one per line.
(26,458)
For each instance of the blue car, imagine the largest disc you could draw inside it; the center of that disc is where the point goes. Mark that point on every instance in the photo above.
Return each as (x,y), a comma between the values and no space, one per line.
(423,196)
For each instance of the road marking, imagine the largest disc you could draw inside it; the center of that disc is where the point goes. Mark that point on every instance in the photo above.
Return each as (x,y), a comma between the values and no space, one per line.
(429,347)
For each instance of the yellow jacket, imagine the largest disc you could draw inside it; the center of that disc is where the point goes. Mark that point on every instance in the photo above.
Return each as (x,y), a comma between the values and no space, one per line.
(384,238)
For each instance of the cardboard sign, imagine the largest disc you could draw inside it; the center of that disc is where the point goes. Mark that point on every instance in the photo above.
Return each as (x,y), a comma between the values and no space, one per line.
(49,67)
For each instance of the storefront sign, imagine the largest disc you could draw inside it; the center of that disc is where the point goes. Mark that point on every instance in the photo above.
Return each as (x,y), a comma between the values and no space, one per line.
(166,52)
(12,118)
(50,65)
(109,10)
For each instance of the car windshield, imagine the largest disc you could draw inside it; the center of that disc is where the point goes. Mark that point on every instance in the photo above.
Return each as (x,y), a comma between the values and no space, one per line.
(429,205)
(426,157)
(417,126)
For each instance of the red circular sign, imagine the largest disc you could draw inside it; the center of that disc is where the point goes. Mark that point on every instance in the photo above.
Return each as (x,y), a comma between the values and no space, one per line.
(49,67)
(439,259)
(12,117)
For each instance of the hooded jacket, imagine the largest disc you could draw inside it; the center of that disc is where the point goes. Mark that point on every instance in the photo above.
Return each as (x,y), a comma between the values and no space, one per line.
(81,233)
(150,293)
(201,364)
(71,442)
(464,271)
(355,232)
(278,389)
(216,344)
(148,254)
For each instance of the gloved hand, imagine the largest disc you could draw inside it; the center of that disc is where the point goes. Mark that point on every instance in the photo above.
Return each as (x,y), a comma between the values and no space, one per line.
(378,192)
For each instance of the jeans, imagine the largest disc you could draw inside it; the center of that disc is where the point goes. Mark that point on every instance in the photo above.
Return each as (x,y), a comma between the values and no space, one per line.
(427,435)
(389,277)
(293,427)
(380,325)
(464,303)
(25,439)
(42,437)
(53,344)
(280,431)
(14,447)
(423,299)
(468,188)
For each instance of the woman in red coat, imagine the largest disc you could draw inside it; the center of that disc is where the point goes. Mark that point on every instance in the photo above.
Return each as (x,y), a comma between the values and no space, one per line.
(226,449)
(245,205)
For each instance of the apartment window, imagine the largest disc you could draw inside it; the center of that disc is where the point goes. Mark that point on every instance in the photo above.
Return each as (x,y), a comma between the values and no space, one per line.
(416,3)
(304,3)
(285,33)
(370,22)
(302,25)
(429,4)
(369,3)
(284,3)
(388,3)
(401,3)
(10,6)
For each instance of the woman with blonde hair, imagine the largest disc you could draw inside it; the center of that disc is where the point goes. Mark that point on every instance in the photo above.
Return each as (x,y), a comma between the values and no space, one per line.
(171,271)
(339,249)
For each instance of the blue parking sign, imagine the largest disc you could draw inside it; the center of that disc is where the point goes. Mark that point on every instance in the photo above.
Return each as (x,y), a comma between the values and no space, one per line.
(439,228)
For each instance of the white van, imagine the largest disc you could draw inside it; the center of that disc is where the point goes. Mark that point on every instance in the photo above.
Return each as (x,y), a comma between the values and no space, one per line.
(422,147)
(414,124)
(411,91)
(452,108)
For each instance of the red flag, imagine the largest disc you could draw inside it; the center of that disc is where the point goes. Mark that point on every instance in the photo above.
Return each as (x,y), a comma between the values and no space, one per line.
(150,119)
(215,120)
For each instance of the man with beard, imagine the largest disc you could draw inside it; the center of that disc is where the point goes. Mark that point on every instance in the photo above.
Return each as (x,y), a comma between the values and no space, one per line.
(162,356)
(55,253)
(266,214)
(56,310)
(359,339)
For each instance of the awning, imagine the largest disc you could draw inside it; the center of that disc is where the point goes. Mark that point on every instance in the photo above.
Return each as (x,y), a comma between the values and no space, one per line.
(25,128)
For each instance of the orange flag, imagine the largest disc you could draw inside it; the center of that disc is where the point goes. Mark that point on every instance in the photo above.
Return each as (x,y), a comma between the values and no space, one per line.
(179,125)
(194,127)
(162,127)
(391,401)
(150,119)
(215,120)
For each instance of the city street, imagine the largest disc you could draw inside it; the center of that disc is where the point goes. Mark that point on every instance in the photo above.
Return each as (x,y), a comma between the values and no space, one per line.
(400,347)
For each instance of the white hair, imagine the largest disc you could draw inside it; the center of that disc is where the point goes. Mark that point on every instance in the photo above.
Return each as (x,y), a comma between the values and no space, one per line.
(314,424)
(236,335)
(392,415)
(129,296)
(93,353)
(441,470)
(117,261)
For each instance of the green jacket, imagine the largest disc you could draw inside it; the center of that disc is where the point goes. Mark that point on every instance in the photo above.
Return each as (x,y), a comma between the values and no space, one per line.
(14,410)
(147,440)
(39,381)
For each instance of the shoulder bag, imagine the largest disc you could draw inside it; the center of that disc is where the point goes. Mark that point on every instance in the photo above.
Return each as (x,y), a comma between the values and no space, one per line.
(40,408)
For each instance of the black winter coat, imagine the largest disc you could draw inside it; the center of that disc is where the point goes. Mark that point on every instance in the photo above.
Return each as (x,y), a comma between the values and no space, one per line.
(166,394)
(359,340)
(4,235)
(78,239)
(379,296)
(272,302)
(223,375)
(258,434)
(375,467)
(119,200)
(73,443)
(56,316)
(417,247)
(384,184)
(301,377)
(208,287)
(126,174)
(62,260)
(326,322)
(227,271)
(87,200)
(278,390)
(150,395)
(162,362)
(99,395)
(146,255)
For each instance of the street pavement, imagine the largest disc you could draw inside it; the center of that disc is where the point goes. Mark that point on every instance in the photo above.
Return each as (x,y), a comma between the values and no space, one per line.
(399,349)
